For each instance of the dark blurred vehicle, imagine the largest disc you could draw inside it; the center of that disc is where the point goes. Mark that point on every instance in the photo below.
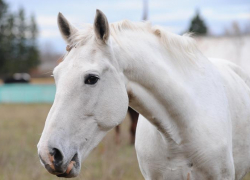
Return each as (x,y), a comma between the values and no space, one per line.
(18,78)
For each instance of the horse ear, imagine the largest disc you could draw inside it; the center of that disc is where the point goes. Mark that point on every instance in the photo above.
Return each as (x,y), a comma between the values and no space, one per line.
(66,29)
(101,26)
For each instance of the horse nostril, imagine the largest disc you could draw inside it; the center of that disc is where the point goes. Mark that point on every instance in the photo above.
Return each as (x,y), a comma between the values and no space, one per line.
(58,157)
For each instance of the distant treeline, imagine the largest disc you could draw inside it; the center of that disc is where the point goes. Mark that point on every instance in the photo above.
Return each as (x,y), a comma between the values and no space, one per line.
(18,46)
(197,25)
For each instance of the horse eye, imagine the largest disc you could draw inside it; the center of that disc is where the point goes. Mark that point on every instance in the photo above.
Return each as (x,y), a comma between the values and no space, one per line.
(91,79)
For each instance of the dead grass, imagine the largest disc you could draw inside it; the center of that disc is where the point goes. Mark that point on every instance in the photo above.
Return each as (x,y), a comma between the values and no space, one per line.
(20,130)
(49,80)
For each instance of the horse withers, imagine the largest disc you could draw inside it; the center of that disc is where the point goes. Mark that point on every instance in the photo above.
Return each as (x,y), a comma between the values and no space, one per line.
(195,121)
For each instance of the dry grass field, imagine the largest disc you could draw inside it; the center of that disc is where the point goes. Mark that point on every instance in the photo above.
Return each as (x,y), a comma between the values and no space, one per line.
(48,80)
(20,129)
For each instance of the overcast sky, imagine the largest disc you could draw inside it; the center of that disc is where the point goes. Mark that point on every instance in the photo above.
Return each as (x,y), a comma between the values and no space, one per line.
(175,15)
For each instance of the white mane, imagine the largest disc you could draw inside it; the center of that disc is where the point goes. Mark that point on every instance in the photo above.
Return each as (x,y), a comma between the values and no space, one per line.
(178,46)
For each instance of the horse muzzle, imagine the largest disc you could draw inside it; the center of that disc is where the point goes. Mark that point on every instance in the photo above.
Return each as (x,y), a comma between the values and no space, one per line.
(55,161)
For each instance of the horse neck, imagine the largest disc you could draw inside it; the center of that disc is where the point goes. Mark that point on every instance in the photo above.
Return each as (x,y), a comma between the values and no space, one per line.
(155,83)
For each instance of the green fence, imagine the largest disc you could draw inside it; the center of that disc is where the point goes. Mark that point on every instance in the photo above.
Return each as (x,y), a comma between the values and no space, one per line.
(27,93)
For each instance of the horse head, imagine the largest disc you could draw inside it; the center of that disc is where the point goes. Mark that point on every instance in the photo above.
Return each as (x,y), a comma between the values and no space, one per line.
(91,98)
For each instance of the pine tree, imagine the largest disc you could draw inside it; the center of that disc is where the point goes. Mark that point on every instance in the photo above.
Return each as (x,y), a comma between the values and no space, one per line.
(197,25)
(33,52)
(20,63)
(3,13)
(9,46)
(18,47)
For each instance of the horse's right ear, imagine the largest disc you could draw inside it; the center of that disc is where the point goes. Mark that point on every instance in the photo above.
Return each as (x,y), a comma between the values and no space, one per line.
(66,29)
(101,26)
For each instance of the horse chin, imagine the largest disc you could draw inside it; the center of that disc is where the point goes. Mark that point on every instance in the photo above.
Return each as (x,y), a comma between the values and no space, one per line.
(73,173)
(73,170)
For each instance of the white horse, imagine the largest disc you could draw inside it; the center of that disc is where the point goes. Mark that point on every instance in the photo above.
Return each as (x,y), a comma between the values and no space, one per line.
(195,121)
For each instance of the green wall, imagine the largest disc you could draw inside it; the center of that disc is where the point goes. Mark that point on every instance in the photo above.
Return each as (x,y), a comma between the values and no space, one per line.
(27,93)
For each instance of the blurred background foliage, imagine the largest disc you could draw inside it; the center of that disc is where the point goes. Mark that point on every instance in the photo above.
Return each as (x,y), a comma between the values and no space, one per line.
(18,46)
(197,25)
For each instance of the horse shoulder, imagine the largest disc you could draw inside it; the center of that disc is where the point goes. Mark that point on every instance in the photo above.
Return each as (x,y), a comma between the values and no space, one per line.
(159,158)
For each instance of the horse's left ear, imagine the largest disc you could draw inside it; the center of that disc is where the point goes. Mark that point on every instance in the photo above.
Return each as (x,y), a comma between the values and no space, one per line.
(101,26)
